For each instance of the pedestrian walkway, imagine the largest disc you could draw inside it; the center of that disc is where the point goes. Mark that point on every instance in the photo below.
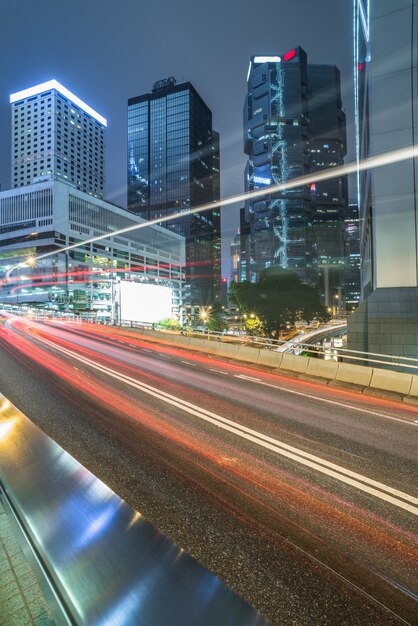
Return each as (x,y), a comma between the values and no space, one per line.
(25,596)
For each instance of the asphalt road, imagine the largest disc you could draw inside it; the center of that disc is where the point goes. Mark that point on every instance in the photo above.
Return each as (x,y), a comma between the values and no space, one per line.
(301,497)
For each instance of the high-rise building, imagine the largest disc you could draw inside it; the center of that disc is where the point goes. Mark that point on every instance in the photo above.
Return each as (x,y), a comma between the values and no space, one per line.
(352,255)
(386,82)
(57,135)
(244,235)
(276,140)
(235,258)
(327,146)
(173,165)
(294,125)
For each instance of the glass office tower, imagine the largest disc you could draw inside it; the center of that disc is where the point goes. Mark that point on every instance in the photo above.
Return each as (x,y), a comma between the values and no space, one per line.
(173,165)
(327,145)
(294,125)
(276,140)
(352,252)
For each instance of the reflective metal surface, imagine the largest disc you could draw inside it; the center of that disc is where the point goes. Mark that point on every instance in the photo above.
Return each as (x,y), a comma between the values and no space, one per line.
(110,565)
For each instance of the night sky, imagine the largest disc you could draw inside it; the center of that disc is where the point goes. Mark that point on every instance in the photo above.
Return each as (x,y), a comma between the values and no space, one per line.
(107,51)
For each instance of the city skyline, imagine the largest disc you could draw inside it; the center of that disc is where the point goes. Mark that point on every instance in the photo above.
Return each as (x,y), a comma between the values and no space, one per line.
(177,448)
(107,75)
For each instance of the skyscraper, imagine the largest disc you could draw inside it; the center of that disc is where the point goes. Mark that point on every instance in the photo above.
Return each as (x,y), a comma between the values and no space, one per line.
(385,66)
(327,146)
(173,165)
(57,135)
(244,235)
(294,125)
(276,139)
(235,258)
(352,254)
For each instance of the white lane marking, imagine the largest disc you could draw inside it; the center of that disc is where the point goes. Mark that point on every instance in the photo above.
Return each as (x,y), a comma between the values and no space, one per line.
(146,350)
(363,483)
(164,355)
(132,345)
(188,363)
(254,380)
(336,403)
(219,371)
(326,400)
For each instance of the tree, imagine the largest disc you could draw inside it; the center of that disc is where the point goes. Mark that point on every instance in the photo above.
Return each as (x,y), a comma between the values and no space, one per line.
(278,299)
(169,323)
(215,322)
(253,325)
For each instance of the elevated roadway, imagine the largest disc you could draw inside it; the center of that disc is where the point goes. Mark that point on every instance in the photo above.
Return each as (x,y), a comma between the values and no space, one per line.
(301,497)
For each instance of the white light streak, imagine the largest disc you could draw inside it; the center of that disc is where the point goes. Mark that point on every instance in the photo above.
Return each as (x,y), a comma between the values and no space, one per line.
(333,172)
(364,21)
(363,483)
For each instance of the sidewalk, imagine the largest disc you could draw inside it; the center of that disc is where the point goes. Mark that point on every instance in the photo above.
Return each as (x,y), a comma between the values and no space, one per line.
(25,596)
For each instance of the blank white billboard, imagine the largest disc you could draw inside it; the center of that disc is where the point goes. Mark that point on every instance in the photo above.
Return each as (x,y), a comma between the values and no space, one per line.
(144,303)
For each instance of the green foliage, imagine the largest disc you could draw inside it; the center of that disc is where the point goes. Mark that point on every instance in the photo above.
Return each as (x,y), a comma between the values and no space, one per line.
(215,323)
(170,324)
(254,326)
(278,299)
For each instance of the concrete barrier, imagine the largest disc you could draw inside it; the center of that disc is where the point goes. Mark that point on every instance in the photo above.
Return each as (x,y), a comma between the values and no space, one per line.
(355,374)
(180,340)
(197,344)
(414,386)
(249,355)
(269,358)
(295,363)
(228,350)
(319,367)
(391,381)
(212,347)
(374,378)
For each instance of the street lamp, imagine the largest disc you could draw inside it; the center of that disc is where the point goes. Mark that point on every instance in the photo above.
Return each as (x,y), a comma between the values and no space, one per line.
(204,317)
(336,305)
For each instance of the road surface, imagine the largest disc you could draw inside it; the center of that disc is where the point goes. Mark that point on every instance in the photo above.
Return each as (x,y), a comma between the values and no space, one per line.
(301,497)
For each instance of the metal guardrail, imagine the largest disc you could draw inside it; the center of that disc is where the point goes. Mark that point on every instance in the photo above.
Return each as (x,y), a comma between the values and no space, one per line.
(107,564)
(352,356)
(396,362)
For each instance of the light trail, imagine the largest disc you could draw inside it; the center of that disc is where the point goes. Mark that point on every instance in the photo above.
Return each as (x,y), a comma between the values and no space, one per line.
(363,483)
(111,335)
(335,531)
(343,170)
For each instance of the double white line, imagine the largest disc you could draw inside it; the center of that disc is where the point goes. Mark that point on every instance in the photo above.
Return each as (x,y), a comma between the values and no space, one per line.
(344,475)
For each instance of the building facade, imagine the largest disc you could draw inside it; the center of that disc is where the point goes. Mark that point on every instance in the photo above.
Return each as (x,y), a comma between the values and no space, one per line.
(386,83)
(352,254)
(173,166)
(327,146)
(48,216)
(235,258)
(276,140)
(294,125)
(55,134)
